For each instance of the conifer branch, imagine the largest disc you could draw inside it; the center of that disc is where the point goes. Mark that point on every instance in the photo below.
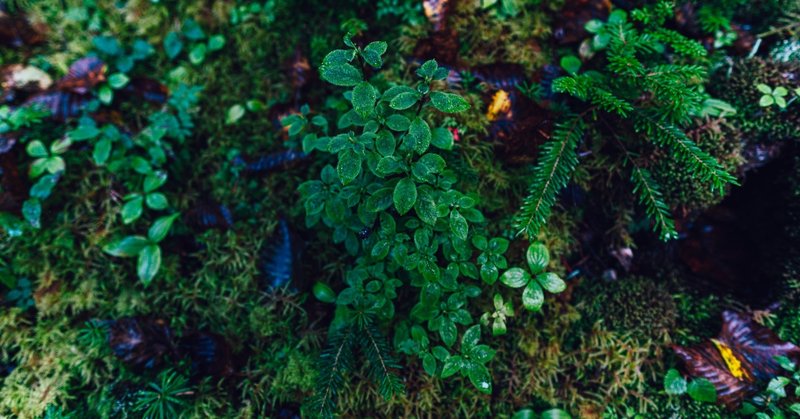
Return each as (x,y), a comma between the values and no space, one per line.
(649,193)
(557,161)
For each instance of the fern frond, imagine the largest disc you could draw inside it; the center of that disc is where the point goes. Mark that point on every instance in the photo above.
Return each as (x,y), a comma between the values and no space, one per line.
(335,360)
(684,149)
(557,161)
(381,362)
(650,196)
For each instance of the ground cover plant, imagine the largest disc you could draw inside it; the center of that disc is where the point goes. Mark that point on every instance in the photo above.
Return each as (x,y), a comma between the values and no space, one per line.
(399,208)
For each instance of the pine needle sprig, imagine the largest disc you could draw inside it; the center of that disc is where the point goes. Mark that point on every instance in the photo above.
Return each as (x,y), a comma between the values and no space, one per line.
(557,161)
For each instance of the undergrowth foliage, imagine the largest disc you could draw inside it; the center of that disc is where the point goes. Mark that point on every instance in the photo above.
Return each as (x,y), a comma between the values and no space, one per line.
(648,89)
(392,201)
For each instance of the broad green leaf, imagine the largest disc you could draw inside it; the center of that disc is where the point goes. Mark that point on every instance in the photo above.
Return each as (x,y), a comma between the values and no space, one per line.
(571,64)
(149,263)
(323,292)
(198,54)
(172,45)
(378,47)
(471,338)
(101,152)
(525,414)
(533,296)
(451,366)
(480,377)
(449,102)
(32,211)
(458,225)
(766,100)
(405,195)
(55,165)
(132,210)
(118,80)
(235,113)
(83,132)
(702,390)
(398,122)
(429,364)
(420,134)
(36,148)
(380,200)
(555,414)
(674,383)
(216,42)
(349,166)
(538,257)
(339,56)
(426,206)
(363,98)
(156,201)
(126,247)
(489,273)
(427,68)
(442,138)
(448,331)
(551,282)
(105,94)
(154,180)
(515,278)
(160,228)
(341,74)
(404,100)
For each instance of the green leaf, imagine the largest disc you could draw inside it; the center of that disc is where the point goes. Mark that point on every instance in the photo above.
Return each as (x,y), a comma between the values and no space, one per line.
(489,273)
(480,377)
(763,88)
(132,210)
(571,64)
(32,211)
(101,152)
(83,132)
(766,100)
(471,338)
(198,54)
(118,80)
(674,383)
(448,331)
(349,166)
(154,180)
(533,296)
(405,195)
(429,363)
(380,200)
(149,263)
(452,365)
(235,113)
(458,225)
(172,45)
(363,98)
(339,56)
(60,146)
(36,148)
(398,122)
(442,138)
(538,257)
(126,247)
(515,278)
(156,201)
(555,414)
(323,292)
(702,390)
(404,100)
(216,42)
(105,94)
(449,102)
(777,386)
(780,101)
(160,228)
(54,165)
(341,74)
(551,282)
(427,69)
(426,206)
(420,134)
(780,91)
